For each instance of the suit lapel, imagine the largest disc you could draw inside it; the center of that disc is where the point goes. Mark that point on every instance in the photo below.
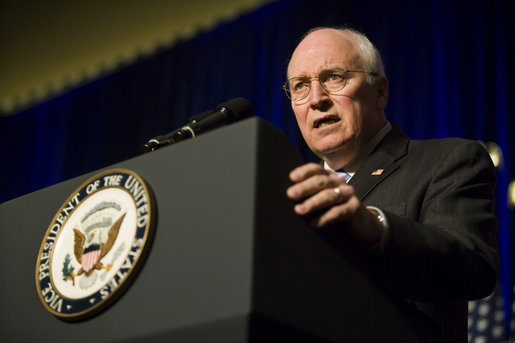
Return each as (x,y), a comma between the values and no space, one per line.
(381,163)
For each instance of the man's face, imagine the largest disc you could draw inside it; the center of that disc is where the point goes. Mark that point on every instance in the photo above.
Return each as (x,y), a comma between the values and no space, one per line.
(335,124)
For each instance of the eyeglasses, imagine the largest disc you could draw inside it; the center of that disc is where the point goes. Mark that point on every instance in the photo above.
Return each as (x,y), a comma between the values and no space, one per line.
(331,80)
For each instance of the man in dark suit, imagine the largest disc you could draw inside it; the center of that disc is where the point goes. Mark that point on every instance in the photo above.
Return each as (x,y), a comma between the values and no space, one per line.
(421,210)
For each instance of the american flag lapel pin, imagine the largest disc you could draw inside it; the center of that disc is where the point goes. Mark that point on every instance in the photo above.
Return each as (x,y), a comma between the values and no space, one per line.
(377,172)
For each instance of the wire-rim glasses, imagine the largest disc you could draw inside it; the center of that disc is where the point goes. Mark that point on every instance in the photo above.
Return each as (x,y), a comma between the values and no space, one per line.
(331,80)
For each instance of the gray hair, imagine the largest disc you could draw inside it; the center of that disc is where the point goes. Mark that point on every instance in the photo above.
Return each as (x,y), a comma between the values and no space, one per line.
(370,56)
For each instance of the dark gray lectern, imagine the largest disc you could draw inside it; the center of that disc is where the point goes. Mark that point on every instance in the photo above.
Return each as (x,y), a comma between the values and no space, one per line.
(230,261)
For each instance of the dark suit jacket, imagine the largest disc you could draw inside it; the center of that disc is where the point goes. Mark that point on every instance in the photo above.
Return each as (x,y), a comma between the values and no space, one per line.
(440,249)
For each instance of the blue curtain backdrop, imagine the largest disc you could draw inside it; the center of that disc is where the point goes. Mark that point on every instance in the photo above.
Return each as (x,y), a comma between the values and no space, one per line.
(450,66)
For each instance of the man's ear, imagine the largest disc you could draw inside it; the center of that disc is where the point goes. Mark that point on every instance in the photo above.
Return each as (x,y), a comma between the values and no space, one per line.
(382,92)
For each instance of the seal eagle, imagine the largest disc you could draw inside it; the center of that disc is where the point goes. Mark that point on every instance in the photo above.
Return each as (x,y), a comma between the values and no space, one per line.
(90,250)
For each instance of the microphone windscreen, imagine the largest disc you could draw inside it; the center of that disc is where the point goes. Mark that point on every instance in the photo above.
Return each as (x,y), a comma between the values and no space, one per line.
(240,108)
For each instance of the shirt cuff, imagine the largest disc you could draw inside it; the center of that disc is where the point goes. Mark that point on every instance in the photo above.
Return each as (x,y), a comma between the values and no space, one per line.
(381,217)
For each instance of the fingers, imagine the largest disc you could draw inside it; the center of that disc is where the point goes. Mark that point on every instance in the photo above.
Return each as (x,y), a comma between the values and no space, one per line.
(338,213)
(321,195)
(305,171)
(310,179)
(325,198)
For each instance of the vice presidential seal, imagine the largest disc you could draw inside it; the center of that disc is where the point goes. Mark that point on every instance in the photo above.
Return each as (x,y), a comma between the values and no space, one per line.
(95,244)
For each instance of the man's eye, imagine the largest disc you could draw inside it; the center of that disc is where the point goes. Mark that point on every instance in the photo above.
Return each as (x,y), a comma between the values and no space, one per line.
(335,77)
(299,85)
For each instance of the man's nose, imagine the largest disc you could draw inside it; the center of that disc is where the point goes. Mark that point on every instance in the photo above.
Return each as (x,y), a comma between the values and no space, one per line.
(319,96)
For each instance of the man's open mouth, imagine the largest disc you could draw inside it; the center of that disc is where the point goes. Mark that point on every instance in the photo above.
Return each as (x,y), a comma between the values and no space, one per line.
(325,121)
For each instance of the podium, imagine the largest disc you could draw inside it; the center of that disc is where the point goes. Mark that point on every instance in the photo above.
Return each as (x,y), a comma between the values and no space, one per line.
(230,260)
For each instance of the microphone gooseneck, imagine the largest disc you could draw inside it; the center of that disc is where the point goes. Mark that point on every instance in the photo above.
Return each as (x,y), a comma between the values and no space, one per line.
(224,114)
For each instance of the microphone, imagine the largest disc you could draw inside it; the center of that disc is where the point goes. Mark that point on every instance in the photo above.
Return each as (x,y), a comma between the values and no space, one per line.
(226,113)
